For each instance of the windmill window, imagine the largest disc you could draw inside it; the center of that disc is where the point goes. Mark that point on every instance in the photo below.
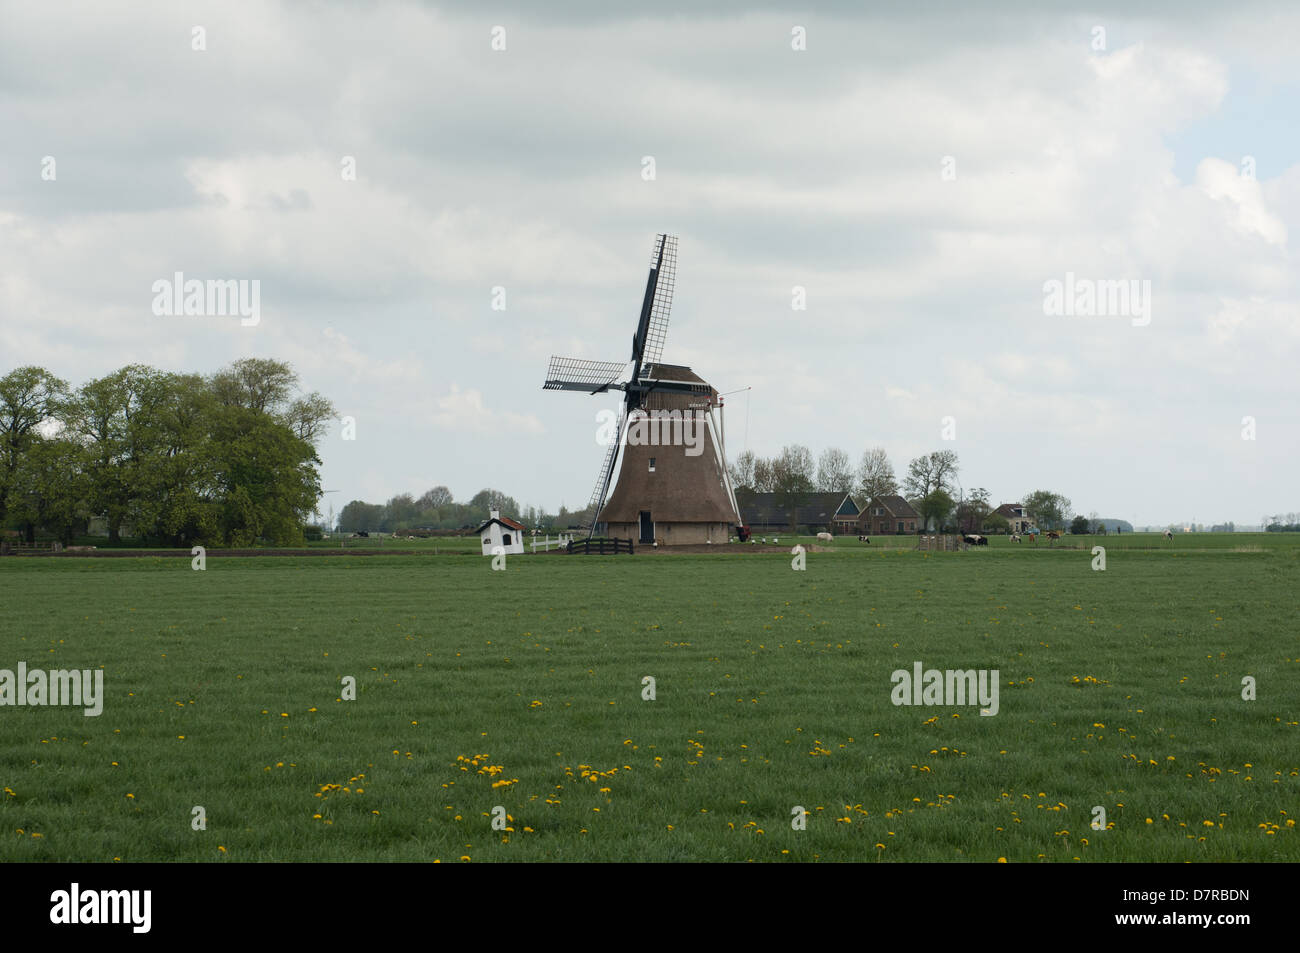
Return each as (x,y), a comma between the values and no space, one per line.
(652,464)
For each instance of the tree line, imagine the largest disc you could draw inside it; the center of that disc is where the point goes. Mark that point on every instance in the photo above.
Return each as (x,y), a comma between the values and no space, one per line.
(437,510)
(174,458)
(930,486)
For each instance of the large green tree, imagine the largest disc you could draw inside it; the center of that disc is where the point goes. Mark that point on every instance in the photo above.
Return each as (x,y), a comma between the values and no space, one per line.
(267,386)
(266,478)
(1047,509)
(29,398)
(179,458)
(50,490)
(936,507)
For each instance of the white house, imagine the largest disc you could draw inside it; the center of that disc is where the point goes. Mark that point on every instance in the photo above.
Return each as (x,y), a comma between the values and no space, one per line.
(502,532)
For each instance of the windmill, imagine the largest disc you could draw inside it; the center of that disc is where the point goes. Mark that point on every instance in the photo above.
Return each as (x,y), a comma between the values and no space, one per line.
(673,487)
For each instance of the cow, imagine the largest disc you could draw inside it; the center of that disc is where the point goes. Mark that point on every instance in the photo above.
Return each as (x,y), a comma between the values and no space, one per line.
(1015,537)
(863,539)
(825,538)
(975,540)
(1169,535)
(1052,536)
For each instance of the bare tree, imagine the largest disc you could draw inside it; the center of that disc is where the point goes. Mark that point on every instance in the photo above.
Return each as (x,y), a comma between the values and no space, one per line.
(876,475)
(742,471)
(834,471)
(926,474)
(792,478)
(793,470)
(432,499)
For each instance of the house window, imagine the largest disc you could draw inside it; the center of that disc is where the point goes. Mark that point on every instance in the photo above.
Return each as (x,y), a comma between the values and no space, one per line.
(505,539)
(880,511)
(652,464)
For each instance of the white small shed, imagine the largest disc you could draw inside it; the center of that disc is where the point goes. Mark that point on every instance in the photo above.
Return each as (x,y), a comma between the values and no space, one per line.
(503,532)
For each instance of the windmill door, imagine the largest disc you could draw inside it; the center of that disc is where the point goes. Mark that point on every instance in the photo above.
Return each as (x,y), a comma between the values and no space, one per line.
(647,528)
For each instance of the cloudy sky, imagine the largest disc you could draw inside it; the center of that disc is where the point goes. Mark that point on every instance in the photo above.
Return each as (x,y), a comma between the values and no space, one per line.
(922,174)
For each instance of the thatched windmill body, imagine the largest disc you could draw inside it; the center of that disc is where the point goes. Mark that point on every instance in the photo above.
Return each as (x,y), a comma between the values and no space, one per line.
(673,488)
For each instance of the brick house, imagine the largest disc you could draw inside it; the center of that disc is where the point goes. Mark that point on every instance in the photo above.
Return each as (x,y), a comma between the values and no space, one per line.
(888,516)
(1016,517)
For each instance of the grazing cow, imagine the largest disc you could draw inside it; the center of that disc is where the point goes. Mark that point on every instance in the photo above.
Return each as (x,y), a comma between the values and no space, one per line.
(974,540)
(825,538)
(1052,536)
(863,539)
(1015,537)
(1169,535)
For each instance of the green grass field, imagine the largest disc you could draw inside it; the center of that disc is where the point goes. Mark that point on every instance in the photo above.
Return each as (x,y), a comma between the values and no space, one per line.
(522,689)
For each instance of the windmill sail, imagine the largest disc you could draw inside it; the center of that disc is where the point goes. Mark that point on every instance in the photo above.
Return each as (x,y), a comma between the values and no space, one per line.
(572,373)
(665,279)
(597,502)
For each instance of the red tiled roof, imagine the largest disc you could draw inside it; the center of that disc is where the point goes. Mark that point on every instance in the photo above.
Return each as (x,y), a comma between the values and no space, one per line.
(504,521)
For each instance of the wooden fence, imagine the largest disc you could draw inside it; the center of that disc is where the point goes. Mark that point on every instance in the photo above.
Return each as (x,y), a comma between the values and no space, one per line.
(600,546)
(10,547)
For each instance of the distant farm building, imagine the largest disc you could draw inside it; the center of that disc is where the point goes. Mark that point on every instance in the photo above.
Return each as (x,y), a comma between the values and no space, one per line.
(807,512)
(1019,521)
(503,532)
(888,516)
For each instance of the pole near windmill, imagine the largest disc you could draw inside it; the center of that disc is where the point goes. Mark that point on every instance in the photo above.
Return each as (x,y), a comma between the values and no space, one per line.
(722,417)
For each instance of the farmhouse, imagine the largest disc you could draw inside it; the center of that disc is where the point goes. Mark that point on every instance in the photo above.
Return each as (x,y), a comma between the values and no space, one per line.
(1016,516)
(888,516)
(811,512)
(501,531)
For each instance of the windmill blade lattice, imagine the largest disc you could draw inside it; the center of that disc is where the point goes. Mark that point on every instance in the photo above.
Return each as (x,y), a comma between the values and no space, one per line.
(597,502)
(573,373)
(657,330)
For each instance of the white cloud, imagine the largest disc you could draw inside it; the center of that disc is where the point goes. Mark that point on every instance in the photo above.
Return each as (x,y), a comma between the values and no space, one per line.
(464,410)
